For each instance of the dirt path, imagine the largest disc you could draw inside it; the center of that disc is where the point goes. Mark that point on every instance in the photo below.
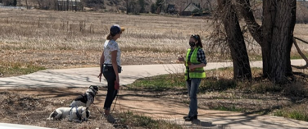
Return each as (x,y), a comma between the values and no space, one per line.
(159,107)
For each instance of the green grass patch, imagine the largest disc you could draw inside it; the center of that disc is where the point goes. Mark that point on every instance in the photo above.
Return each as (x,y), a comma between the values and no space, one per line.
(214,82)
(298,112)
(160,83)
(167,82)
(217,82)
(133,120)
(13,68)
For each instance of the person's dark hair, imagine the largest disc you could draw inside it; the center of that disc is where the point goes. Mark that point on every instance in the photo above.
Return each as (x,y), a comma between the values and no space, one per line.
(197,37)
(109,37)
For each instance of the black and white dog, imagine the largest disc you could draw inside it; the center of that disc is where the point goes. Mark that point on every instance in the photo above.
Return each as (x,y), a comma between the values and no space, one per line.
(86,99)
(75,114)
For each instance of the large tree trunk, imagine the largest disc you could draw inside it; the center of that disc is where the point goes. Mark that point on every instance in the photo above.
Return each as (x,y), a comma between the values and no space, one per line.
(262,34)
(269,12)
(241,66)
(275,35)
(282,40)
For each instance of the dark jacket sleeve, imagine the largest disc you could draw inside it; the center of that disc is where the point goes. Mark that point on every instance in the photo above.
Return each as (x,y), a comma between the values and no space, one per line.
(201,56)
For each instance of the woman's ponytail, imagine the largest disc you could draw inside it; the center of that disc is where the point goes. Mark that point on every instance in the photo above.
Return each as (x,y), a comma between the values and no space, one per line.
(109,37)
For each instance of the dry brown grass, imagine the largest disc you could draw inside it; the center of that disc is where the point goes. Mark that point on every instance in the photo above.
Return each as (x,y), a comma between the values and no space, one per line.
(14,69)
(54,39)
(33,106)
(19,108)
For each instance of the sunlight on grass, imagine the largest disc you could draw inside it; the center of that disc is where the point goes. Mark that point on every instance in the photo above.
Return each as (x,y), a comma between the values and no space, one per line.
(169,81)
(216,81)
(13,68)
(298,112)
(160,83)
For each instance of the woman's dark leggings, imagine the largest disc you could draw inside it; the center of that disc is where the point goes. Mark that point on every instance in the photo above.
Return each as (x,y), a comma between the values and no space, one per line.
(111,93)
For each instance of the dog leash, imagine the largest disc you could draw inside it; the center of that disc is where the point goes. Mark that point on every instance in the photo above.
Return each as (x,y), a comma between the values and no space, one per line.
(115,102)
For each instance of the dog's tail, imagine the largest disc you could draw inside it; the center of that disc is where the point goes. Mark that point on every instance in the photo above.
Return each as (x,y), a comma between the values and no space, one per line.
(52,115)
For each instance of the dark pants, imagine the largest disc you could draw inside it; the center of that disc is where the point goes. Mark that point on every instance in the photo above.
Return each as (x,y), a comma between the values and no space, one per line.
(111,93)
(192,86)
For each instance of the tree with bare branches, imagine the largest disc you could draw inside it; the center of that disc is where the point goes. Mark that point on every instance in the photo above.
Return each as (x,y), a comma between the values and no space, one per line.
(275,35)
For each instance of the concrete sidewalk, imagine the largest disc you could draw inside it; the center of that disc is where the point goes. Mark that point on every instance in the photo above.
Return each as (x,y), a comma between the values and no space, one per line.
(83,77)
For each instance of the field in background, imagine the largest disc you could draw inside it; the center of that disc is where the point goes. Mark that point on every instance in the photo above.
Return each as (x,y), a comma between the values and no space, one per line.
(53,39)
(69,39)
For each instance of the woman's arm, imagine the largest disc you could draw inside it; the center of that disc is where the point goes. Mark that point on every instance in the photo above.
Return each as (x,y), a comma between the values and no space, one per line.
(102,60)
(197,66)
(115,64)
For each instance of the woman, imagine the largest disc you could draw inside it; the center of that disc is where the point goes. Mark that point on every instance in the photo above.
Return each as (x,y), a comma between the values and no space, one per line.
(110,63)
(195,61)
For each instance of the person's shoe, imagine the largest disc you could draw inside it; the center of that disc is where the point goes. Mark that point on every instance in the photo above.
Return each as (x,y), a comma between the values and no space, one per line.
(109,118)
(185,117)
(191,118)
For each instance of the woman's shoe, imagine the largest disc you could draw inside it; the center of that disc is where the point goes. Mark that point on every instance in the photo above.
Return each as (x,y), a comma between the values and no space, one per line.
(191,118)
(109,118)
(185,117)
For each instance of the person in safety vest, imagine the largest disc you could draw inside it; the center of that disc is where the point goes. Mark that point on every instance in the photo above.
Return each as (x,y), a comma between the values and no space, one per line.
(194,62)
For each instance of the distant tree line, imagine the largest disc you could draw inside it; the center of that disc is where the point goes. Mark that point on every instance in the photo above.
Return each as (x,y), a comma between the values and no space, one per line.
(95,4)
(157,6)
(9,2)
(136,6)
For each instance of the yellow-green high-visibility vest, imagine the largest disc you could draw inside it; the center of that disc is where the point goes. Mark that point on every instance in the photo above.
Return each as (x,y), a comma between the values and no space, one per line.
(198,72)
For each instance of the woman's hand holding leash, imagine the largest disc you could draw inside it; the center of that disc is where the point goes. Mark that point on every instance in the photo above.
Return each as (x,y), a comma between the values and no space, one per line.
(117,82)
(100,77)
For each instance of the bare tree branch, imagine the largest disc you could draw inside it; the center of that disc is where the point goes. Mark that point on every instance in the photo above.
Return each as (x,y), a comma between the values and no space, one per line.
(254,28)
(301,40)
(301,53)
